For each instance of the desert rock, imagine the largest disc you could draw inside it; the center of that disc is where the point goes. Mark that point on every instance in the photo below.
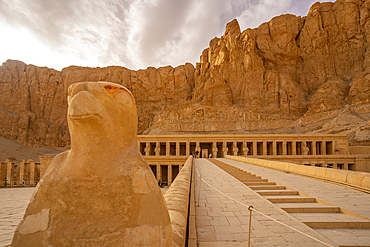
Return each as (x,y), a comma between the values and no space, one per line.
(290,75)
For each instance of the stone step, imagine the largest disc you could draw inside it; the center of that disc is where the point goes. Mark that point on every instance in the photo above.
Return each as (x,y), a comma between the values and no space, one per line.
(290,199)
(308,208)
(267,187)
(332,220)
(259,183)
(253,180)
(246,177)
(277,192)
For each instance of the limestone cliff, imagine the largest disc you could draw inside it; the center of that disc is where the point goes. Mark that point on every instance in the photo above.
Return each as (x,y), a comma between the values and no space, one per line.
(33,104)
(290,75)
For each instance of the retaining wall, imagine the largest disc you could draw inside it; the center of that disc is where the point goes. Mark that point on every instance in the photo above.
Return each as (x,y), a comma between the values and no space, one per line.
(177,200)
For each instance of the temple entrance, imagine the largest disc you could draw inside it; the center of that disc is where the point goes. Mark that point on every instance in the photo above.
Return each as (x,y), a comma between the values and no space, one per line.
(206,149)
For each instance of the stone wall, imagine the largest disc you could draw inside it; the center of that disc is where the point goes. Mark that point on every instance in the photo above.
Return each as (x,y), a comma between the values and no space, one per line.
(177,200)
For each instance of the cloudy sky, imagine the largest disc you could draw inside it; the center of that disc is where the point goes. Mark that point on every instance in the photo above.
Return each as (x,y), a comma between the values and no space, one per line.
(130,33)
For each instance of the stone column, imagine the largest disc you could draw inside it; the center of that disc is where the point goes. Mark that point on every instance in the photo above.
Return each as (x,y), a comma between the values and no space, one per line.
(345,166)
(274,148)
(157,149)
(284,148)
(9,172)
(245,148)
(147,149)
(177,148)
(197,148)
(294,148)
(323,148)
(167,148)
(22,170)
(2,173)
(159,178)
(335,166)
(235,149)
(180,167)
(33,174)
(254,148)
(214,150)
(44,164)
(187,148)
(224,148)
(313,148)
(264,148)
(169,175)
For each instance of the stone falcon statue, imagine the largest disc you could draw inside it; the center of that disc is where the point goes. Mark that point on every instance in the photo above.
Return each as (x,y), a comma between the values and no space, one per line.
(101,192)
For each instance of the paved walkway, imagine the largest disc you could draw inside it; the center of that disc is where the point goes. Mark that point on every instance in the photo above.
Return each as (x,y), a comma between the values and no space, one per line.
(13,204)
(221,221)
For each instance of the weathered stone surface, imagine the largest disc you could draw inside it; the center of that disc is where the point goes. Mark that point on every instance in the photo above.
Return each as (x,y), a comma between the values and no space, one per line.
(101,192)
(291,74)
(33,105)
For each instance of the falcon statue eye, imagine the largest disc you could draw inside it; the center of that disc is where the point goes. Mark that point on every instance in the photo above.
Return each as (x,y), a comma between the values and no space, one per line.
(119,94)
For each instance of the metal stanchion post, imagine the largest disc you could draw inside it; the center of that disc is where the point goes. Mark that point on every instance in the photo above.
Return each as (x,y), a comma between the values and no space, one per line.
(250,208)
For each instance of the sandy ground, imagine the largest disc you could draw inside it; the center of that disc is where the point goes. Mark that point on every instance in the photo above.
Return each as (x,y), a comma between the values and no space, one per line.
(10,148)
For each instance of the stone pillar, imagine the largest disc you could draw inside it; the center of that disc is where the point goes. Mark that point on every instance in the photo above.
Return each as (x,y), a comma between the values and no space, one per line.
(313,148)
(214,150)
(2,173)
(33,174)
(157,149)
(345,166)
(323,148)
(169,175)
(294,148)
(264,148)
(187,148)
(167,148)
(27,172)
(9,172)
(159,178)
(335,166)
(245,148)
(180,167)
(284,148)
(235,149)
(197,148)
(177,148)
(44,164)
(22,170)
(224,148)
(274,148)
(254,148)
(147,149)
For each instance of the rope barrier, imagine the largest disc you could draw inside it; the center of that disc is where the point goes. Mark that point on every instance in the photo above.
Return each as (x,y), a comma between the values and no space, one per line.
(251,208)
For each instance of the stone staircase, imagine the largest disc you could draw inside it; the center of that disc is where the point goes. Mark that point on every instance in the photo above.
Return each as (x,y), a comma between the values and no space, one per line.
(342,227)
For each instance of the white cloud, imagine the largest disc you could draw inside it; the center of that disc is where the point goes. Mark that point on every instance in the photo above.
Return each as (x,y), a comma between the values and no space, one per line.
(131,33)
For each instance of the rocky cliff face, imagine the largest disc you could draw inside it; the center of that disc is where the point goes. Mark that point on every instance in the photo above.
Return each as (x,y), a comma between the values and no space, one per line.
(33,105)
(289,75)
